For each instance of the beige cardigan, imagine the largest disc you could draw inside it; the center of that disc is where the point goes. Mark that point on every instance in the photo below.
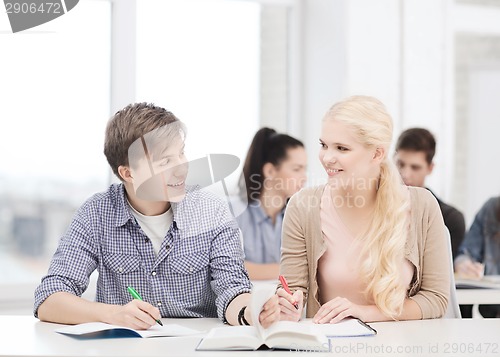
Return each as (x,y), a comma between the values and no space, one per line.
(426,248)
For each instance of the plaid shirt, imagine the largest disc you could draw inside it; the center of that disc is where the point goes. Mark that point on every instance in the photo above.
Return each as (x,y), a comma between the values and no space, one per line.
(198,271)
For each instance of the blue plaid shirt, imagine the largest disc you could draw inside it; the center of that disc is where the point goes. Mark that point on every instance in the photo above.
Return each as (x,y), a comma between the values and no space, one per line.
(198,271)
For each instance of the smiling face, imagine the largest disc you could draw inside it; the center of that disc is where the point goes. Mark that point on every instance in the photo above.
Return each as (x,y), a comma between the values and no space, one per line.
(171,164)
(160,172)
(347,162)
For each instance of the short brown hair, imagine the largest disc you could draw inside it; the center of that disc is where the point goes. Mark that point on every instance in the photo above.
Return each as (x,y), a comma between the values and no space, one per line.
(128,125)
(418,139)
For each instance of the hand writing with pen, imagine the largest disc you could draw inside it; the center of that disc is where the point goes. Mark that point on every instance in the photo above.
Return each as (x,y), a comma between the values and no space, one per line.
(291,306)
(467,267)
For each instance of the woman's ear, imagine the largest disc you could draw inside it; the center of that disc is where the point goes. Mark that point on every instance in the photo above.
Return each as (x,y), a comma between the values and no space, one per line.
(268,170)
(379,154)
(125,173)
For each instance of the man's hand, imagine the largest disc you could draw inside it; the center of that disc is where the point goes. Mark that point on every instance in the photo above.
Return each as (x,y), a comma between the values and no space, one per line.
(466,268)
(270,312)
(137,314)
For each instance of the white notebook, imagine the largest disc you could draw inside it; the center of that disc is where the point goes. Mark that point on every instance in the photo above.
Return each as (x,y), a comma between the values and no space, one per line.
(101,330)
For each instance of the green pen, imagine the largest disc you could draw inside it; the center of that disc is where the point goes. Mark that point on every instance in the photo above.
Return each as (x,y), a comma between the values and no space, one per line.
(136,295)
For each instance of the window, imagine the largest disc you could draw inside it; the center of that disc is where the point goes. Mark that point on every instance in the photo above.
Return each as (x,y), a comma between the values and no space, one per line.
(210,62)
(55,104)
(200,59)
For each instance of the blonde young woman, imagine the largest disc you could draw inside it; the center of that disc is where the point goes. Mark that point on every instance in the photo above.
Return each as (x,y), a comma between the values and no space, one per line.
(363,245)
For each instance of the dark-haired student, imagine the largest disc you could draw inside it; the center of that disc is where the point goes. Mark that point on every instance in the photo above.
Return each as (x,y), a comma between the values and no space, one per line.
(274,169)
(414,156)
(177,245)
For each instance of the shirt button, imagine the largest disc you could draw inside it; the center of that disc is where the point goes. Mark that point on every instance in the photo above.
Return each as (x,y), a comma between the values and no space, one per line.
(167,247)
(158,303)
(146,240)
(120,269)
(153,273)
(191,269)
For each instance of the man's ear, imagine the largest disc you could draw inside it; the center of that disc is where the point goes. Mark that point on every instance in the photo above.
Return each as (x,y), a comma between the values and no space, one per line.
(125,173)
(431,167)
(268,170)
(379,154)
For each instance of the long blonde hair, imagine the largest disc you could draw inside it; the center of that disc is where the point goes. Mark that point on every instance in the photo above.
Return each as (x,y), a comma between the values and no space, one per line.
(383,244)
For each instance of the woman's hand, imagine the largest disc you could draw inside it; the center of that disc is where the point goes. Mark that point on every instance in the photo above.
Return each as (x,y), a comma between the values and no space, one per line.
(136,314)
(337,309)
(286,302)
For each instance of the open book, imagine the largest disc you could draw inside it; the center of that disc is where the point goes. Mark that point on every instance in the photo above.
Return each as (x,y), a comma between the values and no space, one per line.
(103,330)
(295,336)
(486,282)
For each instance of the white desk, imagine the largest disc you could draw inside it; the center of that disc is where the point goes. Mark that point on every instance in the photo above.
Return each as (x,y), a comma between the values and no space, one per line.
(478,296)
(26,336)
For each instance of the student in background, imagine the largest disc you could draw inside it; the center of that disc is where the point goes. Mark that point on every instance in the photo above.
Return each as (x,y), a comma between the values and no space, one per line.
(363,245)
(274,169)
(479,253)
(415,151)
(178,246)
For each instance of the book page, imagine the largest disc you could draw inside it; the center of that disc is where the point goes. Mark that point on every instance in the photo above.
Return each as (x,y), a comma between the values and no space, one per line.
(296,336)
(231,338)
(261,292)
(172,330)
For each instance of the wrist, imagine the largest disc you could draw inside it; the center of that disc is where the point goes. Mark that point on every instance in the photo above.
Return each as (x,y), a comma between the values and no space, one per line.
(242,316)
(106,312)
(369,313)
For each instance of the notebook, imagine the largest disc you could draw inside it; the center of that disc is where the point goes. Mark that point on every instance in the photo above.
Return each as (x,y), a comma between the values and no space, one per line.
(103,330)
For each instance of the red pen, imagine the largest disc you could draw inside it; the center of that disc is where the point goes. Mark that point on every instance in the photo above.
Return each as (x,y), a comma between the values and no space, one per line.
(287,289)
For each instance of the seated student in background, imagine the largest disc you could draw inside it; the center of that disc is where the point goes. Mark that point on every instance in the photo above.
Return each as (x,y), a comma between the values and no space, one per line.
(363,245)
(415,151)
(178,246)
(274,169)
(479,253)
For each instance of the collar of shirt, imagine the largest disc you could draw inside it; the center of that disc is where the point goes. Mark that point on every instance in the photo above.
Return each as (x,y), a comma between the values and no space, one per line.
(123,214)
(259,213)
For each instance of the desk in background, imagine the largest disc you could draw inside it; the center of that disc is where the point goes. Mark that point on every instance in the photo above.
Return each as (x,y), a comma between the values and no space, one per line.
(478,296)
(26,336)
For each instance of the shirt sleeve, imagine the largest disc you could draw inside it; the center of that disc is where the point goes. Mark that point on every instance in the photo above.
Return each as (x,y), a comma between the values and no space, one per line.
(294,265)
(473,243)
(229,276)
(72,264)
(434,292)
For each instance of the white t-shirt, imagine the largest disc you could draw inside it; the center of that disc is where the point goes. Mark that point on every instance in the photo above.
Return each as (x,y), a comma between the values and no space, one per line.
(155,227)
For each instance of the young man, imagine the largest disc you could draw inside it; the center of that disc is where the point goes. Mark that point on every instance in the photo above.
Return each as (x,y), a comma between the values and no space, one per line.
(415,151)
(177,246)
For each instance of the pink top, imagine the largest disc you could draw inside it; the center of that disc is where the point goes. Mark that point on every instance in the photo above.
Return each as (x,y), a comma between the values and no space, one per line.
(338,267)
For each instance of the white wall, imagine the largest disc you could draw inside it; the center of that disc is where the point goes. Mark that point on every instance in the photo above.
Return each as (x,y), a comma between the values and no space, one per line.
(398,51)
(324,71)
(483,174)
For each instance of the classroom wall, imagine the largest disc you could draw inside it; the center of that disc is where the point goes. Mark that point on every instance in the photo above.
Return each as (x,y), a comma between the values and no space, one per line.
(384,49)
(380,49)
